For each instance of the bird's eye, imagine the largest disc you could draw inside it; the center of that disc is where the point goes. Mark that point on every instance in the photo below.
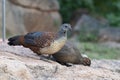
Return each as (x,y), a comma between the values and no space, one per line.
(65,26)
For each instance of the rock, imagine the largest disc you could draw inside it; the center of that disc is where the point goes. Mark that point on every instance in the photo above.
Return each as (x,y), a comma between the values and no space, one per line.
(38,4)
(88,28)
(13,69)
(37,15)
(109,34)
(12,26)
(24,16)
(70,54)
(77,15)
(18,63)
(89,23)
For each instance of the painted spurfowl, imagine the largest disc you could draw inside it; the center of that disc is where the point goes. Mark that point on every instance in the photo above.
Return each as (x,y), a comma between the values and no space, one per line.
(42,42)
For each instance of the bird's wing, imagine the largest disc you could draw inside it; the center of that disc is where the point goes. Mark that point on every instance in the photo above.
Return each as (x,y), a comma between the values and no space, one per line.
(39,39)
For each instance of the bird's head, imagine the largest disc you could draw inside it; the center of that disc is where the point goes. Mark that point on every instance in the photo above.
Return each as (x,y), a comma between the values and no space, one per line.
(65,27)
(86,61)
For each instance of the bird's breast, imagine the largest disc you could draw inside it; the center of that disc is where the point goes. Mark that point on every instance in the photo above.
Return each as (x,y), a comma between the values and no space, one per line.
(55,46)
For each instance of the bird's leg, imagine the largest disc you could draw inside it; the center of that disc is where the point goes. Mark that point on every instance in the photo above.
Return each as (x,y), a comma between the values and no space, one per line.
(49,57)
(66,64)
(45,58)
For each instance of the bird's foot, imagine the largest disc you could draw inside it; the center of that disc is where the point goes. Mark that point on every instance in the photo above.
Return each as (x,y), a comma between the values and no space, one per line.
(68,64)
(49,57)
(45,58)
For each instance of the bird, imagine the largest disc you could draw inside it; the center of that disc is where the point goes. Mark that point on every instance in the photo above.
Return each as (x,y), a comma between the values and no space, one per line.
(42,42)
(70,55)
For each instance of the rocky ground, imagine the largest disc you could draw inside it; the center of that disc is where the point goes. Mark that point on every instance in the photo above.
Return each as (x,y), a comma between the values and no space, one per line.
(18,63)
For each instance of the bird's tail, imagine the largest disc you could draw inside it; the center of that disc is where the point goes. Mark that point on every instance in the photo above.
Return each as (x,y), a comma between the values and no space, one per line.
(16,40)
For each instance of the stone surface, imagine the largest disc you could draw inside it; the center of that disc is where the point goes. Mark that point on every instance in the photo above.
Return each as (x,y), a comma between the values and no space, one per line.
(24,16)
(39,4)
(90,28)
(12,20)
(76,15)
(18,63)
(110,34)
(89,23)
(87,28)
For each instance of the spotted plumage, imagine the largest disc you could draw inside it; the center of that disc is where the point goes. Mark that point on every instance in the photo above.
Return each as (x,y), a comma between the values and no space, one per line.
(42,42)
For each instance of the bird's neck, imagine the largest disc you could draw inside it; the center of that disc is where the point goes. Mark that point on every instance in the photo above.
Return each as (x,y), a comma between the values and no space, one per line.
(62,34)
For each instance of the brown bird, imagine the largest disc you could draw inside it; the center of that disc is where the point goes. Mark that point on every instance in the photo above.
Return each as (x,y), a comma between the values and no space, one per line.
(70,54)
(42,42)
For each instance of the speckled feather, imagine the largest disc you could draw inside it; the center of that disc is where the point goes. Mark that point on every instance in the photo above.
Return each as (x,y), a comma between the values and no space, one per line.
(35,40)
(42,42)
(39,39)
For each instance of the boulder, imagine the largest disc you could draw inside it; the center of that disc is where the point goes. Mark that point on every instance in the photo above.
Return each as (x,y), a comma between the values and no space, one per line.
(76,15)
(24,16)
(12,26)
(18,63)
(109,34)
(38,15)
(88,28)
(51,5)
